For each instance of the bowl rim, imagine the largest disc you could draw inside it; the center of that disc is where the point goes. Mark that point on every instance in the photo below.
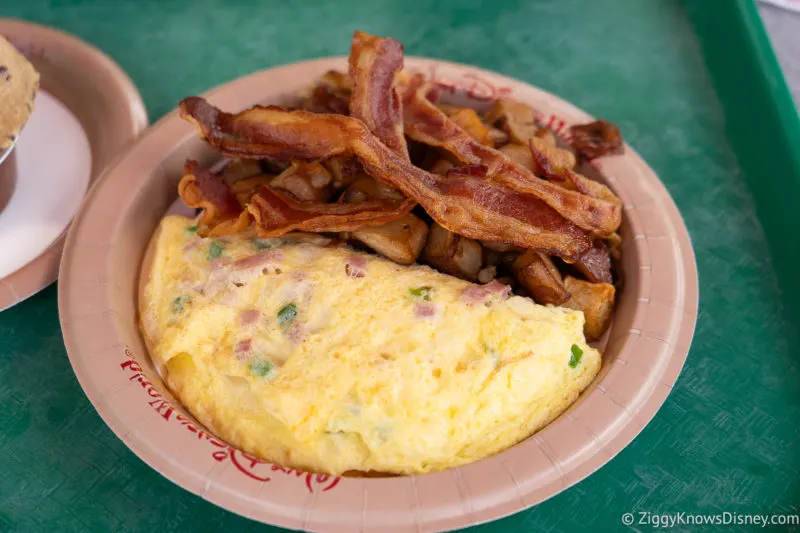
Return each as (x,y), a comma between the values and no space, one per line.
(607,417)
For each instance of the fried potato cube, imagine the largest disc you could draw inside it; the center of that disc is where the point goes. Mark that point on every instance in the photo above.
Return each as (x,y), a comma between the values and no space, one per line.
(307,182)
(367,188)
(596,300)
(518,120)
(344,170)
(400,240)
(558,157)
(546,135)
(469,121)
(519,154)
(454,254)
(537,273)
(442,167)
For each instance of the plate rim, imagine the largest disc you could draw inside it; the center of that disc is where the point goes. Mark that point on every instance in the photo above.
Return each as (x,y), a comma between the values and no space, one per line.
(131,119)
(647,408)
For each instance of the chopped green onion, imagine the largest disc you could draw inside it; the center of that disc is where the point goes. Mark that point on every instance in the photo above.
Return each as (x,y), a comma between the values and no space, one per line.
(421,293)
(179,302)
(261,367)
(287,313)
(214,249)
(262,244)
(575,358)
(191,229)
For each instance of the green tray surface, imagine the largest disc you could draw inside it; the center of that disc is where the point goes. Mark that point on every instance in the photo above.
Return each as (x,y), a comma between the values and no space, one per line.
(725,440)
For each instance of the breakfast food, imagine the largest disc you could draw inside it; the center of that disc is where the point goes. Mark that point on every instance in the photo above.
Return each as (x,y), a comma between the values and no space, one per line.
(330,360)
(275,329)
(19,83)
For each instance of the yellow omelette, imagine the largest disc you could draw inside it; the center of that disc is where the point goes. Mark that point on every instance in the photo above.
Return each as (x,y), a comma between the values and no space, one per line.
(330,360)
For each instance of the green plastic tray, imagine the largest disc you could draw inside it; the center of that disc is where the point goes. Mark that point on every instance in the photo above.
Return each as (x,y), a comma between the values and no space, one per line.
(697,92)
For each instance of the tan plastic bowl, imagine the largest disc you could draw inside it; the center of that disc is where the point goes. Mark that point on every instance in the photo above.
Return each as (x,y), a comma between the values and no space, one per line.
(646,349)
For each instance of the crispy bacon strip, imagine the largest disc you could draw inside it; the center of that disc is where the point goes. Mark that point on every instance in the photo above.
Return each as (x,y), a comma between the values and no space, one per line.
(222,212)
(374,64)
(571,179)
(277,214)
(292,135)
(596,139)
(214,190)
(426,123)
(472,207)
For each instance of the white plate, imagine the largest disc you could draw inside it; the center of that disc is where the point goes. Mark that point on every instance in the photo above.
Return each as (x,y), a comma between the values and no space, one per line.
(54,164)
(87,110)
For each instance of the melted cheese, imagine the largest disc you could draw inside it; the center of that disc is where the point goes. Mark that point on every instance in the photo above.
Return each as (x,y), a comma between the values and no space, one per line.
(329,360)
